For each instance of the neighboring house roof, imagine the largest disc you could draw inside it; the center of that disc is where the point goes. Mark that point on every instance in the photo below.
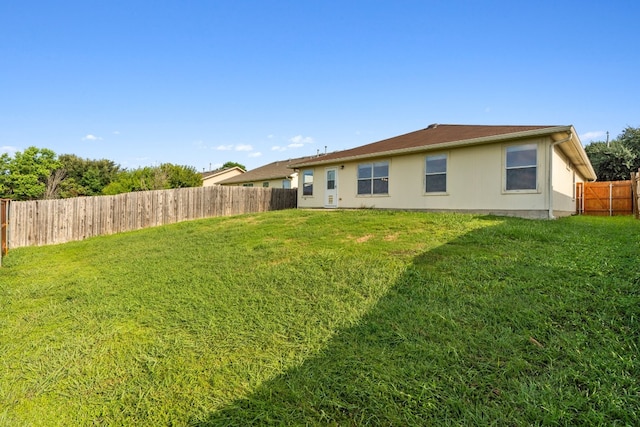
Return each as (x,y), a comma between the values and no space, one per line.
(221,171)
(277,170)
(438,136)
(215,176)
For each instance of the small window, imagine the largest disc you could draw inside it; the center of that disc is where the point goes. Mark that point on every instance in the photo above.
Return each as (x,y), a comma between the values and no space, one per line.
(521,167)
(307,183)
(248,185)
(286,183)
(265,184)
(436,174)
(373,178)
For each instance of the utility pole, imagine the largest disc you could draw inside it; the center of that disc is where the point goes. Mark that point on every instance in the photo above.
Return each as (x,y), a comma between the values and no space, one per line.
(607,139)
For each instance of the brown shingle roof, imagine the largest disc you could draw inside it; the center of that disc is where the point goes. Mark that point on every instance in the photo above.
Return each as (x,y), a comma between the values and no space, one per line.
(275,170)
(431,136)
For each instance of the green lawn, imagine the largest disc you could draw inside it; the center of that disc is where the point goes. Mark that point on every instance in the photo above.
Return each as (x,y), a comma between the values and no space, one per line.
(327,318)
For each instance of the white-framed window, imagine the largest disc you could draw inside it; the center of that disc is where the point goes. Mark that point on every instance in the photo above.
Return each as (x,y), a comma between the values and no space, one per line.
(286,184)
(436,173)
(373,178)
(307,182)
(265,184)
(521,167)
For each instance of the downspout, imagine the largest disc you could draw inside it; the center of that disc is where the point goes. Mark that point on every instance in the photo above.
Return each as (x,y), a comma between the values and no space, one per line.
(550,189)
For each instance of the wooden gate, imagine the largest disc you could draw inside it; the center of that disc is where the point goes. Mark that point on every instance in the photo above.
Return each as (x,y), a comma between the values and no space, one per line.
(604,198)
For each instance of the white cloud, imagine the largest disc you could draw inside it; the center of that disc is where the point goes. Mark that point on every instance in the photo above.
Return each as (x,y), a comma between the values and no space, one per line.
(8,149)
(234,147)
(296,145)
(90,137)
(116,132)
(590,136)
(299,139)
(270,136)
(255,154)
(278,148)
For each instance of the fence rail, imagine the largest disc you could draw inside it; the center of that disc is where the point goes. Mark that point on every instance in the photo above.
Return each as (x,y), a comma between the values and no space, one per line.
(45,222)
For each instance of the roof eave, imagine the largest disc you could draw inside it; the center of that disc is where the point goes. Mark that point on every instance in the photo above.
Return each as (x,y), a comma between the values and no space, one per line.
(255,179)
(578,155)
(458,143)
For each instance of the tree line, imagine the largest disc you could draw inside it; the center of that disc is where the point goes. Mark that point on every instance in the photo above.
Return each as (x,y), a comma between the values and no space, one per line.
(615,160)
(38,173)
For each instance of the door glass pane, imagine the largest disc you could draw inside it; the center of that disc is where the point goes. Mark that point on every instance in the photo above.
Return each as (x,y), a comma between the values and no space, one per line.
(331,179)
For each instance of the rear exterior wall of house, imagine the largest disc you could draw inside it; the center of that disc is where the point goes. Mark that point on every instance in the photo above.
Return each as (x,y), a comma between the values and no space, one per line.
(469,179)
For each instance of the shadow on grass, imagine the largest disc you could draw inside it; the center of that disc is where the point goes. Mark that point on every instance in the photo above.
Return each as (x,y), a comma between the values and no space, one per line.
(476,331)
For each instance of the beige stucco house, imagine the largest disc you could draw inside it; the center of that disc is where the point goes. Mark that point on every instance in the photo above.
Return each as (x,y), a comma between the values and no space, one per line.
(214,177)
(278,174)
(525,171)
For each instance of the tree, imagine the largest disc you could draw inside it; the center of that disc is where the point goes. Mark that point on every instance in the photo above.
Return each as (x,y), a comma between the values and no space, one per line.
(613,162)
(25,176)
(230,165)
(5,160)
(181,176)
(85,177)
(161,177)
(630,138)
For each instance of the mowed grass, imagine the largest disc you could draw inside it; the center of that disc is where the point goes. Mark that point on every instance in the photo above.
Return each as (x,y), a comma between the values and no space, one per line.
(327,318)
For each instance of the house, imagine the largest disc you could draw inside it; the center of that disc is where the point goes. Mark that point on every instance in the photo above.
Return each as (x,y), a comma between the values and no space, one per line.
(215,176)
(525,171)
(275,175)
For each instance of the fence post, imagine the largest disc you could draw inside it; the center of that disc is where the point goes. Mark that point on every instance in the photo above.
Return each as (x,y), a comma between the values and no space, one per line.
(4,227)
(635,193)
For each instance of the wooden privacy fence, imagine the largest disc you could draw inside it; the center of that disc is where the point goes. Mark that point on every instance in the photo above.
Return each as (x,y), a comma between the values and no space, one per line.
(44,222)
(605,198)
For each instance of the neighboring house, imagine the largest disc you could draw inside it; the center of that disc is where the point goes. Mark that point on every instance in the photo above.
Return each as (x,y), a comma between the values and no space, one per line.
(275,175)
(526,171)
(215,176)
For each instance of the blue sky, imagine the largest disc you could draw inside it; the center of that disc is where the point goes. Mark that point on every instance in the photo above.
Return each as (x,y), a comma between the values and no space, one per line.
(199,83)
